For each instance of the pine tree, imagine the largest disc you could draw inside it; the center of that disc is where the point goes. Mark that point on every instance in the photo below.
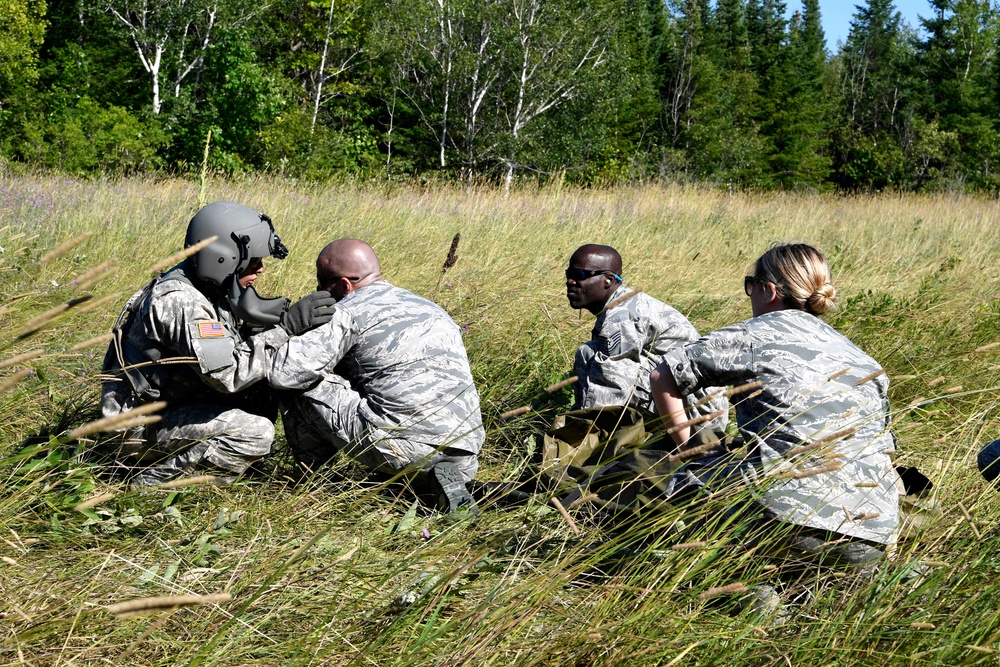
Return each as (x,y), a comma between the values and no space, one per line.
(876,100)
(956,61)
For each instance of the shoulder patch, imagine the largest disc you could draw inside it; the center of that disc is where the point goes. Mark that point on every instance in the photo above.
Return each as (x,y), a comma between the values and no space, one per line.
(211,330)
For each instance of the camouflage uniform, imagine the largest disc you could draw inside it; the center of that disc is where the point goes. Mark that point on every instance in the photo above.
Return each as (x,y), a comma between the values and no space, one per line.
(626,344)
(215,410)
(387,380)
(805,396)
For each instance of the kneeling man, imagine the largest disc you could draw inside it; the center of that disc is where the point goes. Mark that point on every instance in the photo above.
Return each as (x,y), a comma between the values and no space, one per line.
(631,334)
(386,380)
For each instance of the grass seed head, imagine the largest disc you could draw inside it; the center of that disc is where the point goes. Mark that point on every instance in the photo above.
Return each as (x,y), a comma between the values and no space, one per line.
(20,358)
(65,247)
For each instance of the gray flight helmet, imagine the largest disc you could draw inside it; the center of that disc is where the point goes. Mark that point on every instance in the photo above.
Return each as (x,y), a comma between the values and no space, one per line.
(243,234)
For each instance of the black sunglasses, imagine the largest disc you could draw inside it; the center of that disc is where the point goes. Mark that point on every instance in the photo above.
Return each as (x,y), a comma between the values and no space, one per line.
(749,281)
(579,275)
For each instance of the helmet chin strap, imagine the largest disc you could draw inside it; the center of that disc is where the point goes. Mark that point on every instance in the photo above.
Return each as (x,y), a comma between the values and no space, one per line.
(251,307)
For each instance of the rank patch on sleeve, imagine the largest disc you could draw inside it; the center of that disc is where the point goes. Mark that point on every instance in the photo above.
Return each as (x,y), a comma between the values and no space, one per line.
(211,330)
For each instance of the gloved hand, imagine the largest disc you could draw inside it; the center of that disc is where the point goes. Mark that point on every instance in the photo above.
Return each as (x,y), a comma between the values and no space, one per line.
(308,313)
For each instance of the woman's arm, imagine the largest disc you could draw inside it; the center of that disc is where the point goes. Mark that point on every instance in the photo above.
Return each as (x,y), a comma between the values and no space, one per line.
(669,402)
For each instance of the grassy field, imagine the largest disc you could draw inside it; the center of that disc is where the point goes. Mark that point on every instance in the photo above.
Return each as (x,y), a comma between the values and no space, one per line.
(332,571)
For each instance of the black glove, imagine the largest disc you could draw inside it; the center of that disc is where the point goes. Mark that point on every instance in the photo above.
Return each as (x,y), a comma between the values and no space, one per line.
(308,313)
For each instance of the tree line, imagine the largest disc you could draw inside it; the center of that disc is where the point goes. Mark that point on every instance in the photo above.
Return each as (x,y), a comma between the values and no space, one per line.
(728,92)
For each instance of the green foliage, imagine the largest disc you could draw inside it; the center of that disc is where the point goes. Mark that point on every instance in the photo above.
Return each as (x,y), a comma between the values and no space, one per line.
(23,24)
(88,138)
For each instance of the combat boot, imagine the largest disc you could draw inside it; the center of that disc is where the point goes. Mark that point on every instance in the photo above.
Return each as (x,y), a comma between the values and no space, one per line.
(448,486)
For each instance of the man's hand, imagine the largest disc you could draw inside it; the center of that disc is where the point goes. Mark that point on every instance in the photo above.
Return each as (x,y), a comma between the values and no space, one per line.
(308,313)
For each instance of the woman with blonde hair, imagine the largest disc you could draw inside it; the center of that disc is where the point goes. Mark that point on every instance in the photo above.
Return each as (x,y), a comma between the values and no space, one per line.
(817,423)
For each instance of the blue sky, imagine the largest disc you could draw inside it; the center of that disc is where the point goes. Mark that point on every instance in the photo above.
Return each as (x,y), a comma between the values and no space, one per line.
(837,15)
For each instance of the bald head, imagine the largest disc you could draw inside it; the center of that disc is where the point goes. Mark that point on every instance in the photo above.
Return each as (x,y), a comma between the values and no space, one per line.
(345,265)
(593,256)
(593,275)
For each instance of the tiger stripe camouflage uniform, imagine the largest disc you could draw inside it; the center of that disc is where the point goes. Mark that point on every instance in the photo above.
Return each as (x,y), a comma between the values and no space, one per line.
(209,418)
(627,343)
(387,381)
(810,375)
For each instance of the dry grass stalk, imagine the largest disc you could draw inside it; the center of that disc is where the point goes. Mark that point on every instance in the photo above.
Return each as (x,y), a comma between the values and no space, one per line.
(99,303)
(553,388)
(990,346)
(96,340)
(689,545)
(14,379)
(865,516)
(739,389)
(972,524)
(936,563)
(636,291)
(819,442)
(134,417)
(953,390)
(565,515)
(749,386)
(39,321)
(452,257)
(866,485)
(178,257)
(583,500)
(980,649)
(728,589)
(94,502)
(869,377)
(810,472)
(917,402)
(449,261)
(94,275)
(694,422)
(900,378)
(166,603)
(922,626)
(842,371)
(187,481)
(936,381)
(516,412)
(19,358)
(8,560)
(65,247)
(693,452)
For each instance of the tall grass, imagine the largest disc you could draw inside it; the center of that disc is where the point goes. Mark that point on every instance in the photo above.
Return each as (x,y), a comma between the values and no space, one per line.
(332,571)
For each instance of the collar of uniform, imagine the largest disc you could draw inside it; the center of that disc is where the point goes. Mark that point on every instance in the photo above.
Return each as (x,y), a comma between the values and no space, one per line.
(379,285)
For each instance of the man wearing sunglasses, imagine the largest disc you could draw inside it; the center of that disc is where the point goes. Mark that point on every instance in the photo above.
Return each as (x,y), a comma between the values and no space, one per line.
(628,340)
(387,381)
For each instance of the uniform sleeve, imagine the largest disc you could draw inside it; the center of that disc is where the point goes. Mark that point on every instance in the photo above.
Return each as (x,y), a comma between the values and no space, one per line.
(188,324)
(304,360)
(723,357)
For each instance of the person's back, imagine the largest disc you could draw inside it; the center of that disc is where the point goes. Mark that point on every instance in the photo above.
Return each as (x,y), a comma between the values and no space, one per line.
(815,384)
(410,366)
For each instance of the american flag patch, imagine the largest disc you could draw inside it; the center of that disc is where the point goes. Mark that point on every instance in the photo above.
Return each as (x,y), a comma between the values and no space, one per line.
(211,329)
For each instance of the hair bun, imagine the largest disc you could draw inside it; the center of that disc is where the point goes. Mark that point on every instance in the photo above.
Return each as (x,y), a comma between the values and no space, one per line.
(821,300)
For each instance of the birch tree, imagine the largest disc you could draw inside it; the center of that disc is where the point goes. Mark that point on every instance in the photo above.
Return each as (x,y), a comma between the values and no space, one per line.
(171,37)
(558,47)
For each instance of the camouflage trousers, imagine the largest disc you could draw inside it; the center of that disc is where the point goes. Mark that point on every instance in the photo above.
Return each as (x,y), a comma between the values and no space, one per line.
(201,435)
(327,419)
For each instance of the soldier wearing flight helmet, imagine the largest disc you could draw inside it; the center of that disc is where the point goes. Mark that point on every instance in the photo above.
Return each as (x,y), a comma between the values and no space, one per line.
(201,338)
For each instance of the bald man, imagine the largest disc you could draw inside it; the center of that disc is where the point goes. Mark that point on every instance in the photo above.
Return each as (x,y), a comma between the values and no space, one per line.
(386,380)
(628,340)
